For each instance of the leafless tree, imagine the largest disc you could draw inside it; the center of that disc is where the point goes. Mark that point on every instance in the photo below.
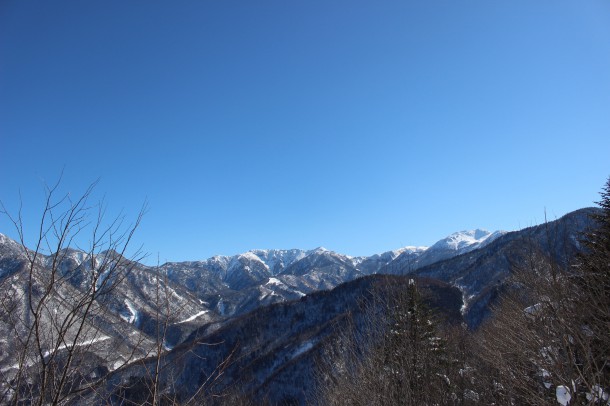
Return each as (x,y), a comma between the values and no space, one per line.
(593,280)
(549,333)
(53,307)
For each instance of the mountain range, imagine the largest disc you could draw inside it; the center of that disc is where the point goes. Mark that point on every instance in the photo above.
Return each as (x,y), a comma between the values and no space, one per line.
(261,277)
(269,310)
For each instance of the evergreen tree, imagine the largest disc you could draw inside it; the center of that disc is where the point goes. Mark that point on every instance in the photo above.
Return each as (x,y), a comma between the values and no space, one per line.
(595,262)
(404,361)
(412,350)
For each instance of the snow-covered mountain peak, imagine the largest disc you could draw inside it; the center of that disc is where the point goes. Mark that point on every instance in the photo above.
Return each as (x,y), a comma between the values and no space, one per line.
(247,264)
(324,252)
(480,234)
(250,256)
(10,248)
(466,240)
(410,248)
(9,244)
(76,256)
(245,260)
(218,260)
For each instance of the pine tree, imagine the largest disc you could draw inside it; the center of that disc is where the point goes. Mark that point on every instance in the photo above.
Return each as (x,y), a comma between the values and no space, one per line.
(595,262)
(405,362)
(412,350)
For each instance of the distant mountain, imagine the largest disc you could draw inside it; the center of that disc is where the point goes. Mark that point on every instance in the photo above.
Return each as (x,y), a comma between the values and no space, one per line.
(125,318)
(459,243)
(240,283)
(375,263)
(455,244)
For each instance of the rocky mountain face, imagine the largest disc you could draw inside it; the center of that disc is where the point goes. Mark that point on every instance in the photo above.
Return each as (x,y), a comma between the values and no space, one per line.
(270,308)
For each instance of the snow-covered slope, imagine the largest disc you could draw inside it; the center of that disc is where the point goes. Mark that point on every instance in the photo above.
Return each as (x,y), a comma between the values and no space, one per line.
(457,244)
(463,241)
(278,260)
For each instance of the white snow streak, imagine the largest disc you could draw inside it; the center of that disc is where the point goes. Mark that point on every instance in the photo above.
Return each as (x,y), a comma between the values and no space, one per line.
(306,346)
(193,317)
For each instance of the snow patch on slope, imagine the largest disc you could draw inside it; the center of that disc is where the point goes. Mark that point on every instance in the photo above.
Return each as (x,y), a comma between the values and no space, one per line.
(131,314)
(562,393)
(193,317)
(266,292)
(275,281)
(81,344)
(306,346)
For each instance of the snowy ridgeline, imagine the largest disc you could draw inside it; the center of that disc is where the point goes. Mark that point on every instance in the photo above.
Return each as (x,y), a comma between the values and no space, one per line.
(293,273)
(275,262)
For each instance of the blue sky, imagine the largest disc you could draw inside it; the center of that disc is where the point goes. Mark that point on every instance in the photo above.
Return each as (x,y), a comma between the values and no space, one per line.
(360,126)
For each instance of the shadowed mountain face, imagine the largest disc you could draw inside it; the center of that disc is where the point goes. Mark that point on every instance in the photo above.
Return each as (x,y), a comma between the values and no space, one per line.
(273,351)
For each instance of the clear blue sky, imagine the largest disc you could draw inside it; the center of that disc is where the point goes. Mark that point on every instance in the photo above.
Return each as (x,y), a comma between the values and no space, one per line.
(361,126)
